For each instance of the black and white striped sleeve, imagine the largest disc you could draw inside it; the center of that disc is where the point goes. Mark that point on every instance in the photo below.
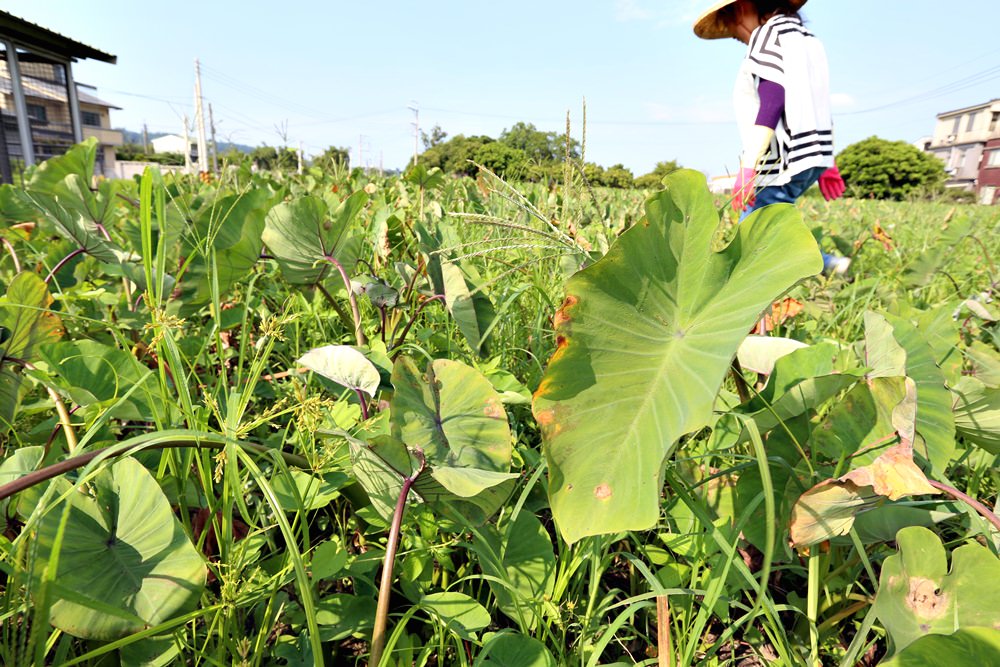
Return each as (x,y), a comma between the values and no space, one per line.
(765,56)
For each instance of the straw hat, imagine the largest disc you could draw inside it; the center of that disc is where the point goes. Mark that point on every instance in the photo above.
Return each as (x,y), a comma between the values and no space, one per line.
(708,25)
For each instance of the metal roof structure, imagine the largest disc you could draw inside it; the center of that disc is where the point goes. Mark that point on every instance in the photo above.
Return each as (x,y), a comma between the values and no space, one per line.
(26,33)
(37,65)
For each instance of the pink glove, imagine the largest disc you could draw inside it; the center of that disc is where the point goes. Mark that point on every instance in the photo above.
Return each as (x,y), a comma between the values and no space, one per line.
(743,189)
(831,185)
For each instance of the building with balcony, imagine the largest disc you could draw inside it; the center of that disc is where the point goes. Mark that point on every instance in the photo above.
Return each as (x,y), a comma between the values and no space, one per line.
(960,140)
(43,111)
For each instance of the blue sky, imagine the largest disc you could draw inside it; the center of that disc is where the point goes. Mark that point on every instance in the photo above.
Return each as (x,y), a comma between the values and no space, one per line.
(343,73)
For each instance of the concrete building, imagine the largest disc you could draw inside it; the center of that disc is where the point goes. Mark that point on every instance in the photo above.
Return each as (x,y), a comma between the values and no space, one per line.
(989,173)
(174,143)
(43,111)
(960,141)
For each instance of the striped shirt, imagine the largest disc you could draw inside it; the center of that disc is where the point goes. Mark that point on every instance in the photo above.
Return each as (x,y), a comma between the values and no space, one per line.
(783,51)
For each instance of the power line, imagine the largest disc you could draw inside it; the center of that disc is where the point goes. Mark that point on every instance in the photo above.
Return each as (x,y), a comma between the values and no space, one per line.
(955,86)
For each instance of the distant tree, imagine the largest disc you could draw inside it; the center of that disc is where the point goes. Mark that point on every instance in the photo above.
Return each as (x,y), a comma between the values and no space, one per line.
(455,155)
(233,156)
(594,173)
(542,147)
(134,153)
(435,137)
(129,152)
(618,176)
(502,159)
(271,158)
(654,179)
(333,157)
(883,169)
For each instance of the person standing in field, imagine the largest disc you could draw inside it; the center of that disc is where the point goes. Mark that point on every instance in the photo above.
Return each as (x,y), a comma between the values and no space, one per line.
(782,101)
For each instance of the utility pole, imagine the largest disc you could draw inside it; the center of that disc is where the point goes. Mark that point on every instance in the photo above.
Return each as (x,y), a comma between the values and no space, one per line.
(215,148)
(361,162)
(145,139)
(200,119)
(416,127)
(187,147)
(300,158)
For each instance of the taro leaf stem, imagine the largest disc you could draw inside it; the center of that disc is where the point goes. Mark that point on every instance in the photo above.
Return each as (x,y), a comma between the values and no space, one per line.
(970,501)
(62,262)
(163,440)
(406,329)
(364,403)
(359,334)
(385,586)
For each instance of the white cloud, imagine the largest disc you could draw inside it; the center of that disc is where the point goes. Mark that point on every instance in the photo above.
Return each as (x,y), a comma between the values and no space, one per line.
(842,101)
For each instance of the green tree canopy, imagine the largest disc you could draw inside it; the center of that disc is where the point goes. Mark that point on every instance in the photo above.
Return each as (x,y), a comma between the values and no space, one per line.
(333,156)
(434,137)
(617,176)
(654,179)
(541,147)
(882,169)
(269,157)
(454,156)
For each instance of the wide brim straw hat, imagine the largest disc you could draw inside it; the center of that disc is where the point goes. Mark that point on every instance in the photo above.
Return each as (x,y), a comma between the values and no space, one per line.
(708,25)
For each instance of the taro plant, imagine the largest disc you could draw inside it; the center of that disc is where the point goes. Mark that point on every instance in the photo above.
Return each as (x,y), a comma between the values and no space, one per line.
(645,337)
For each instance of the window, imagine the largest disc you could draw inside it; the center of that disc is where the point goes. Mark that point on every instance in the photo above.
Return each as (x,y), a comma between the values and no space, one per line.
(994,120)
(972,122)
(91,118)
(994,158)
(957,125)
(37,111)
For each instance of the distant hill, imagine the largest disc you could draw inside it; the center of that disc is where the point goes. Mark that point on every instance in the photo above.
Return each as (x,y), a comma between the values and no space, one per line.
(136,138)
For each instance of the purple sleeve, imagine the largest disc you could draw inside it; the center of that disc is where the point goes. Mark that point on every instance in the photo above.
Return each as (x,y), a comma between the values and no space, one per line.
(772,103)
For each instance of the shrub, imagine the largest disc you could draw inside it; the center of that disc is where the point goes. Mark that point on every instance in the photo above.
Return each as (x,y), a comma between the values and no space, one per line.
(880,169)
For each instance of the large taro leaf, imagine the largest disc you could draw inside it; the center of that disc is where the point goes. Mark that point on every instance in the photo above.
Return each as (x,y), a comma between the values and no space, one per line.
(78,160)
(344,365)
(935,422)
(303,234)
(859,428)
(977,413)
(468,494)
(644,339)
(75,224)
(511,649)
(759,353)
(230,231)
(125,562)
(451,412)
(518,558)
(829,508)
(967,647)
(473,311)
(28,323)
(917,595)
(458,612)
(92,373)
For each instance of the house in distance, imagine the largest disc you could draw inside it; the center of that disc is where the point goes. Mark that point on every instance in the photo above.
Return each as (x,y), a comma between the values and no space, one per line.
(967,140)
(43,109)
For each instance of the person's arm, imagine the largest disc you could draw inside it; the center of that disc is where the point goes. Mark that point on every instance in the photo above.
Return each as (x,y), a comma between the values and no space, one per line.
(758,140)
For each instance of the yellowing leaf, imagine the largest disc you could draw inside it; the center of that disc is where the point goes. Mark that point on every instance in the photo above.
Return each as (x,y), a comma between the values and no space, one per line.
(829,508)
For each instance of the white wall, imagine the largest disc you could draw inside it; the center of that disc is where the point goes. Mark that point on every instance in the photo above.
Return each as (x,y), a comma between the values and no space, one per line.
(129,169)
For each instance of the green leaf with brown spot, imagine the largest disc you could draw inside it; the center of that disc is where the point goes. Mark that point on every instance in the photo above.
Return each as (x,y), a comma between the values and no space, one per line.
(644,339)
(918,595)
(451,412)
